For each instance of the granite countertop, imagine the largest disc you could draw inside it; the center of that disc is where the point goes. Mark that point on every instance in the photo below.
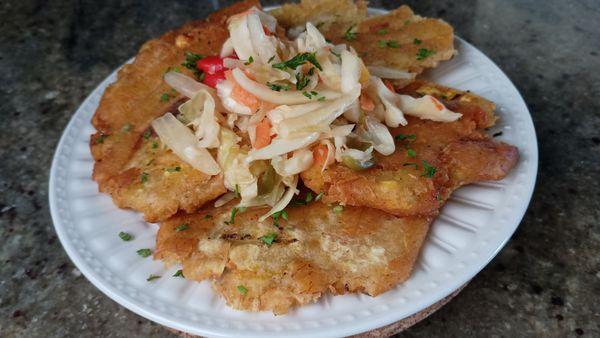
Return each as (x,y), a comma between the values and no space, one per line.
(545,282)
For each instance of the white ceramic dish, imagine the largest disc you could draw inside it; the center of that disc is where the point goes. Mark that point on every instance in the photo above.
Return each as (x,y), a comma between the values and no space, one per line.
(473,226)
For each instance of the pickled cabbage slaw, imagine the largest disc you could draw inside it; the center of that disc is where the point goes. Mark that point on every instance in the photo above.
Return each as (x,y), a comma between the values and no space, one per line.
(283,106)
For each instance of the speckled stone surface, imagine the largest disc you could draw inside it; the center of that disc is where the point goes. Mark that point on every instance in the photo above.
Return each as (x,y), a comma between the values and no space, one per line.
(545,282)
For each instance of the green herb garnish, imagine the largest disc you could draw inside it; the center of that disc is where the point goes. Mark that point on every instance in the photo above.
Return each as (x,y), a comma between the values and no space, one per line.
(250,60)
(242,289)
(309,197)
(298,60)
(165,97)
(428,169)
(101,138)
(411,153)
(127,127)
(154,145)
(268,238)
(144,177)
(182,227)
(147,134)
(382,31)
(271,59)
(179,273)
(191,61)
(237,191)
(234,211)
(278,87)
(144,252)
(173,69)
(402,137)
(276,215)
(152,277)
(411,164)
(338,208)
(424,53)
(417,41)
(319,196)
(175,169)
(207,216)
(388,43)
(349,35)
(125,236)
(303,80)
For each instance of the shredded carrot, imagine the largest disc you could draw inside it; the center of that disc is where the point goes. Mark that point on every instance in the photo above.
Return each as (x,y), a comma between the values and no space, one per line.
(389,85)
(437,103)
(366,103)
(240,95)
(263,134)
(320,153)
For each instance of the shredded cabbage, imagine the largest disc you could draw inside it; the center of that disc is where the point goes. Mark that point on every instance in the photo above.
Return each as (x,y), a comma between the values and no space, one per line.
(184,143)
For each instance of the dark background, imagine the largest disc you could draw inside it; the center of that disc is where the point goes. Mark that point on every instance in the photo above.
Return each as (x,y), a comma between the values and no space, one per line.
(545,282)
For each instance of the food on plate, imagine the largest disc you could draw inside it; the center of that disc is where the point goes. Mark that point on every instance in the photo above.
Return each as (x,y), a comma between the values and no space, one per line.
(294,154)
(295,258)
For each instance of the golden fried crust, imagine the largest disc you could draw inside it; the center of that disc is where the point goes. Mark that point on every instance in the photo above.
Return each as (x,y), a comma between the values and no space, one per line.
(391,40)
(316,250)
(460,152)
(126,110)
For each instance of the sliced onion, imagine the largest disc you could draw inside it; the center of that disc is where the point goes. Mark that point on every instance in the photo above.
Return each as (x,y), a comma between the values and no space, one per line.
(267,94)
(350,72)
(393,115)
(186,85)
(266,19)
(284,201)
(200,110)
(264,46)
(227,48)
(380,136)
(240,37)
(224,199)
(390,73)
(301,160)
(280,146)
(427,107)
(330,154)
(286,112)
(318,117)
(311,40)
(184,144)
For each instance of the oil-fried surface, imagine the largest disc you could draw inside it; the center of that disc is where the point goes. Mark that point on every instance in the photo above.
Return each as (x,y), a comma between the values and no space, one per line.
(399,39)
(460,152)
(128,107)
(316,250)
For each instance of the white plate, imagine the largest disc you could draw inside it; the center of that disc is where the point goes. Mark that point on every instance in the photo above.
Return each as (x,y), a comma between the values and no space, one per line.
(473,226)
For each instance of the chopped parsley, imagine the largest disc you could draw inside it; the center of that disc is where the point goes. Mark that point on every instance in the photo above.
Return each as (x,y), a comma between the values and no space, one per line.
(127,127)
(147,134)
(428,169)
(417,41)
(144,252)
(250,60)
(182,227)
(279,214)
(411,153)
(412,164)
(312,94)
(154,145)
(268,238)
(497,134)
(179,273)
(173,69)
(303,80)
(191,61)
(322,98)
(388,43)
(298,60)
(234,211)
(438,197)
(319,196)
(424,53)
(242,289)
(165,97)
(237,191)
(152,277)
(309,197)
(402,137)
(144,177)
(350,35)
(208,216)
(125,236)
(175,169)
(271,59)
(338,209)
(101,138)
(382,31)
(278,87)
